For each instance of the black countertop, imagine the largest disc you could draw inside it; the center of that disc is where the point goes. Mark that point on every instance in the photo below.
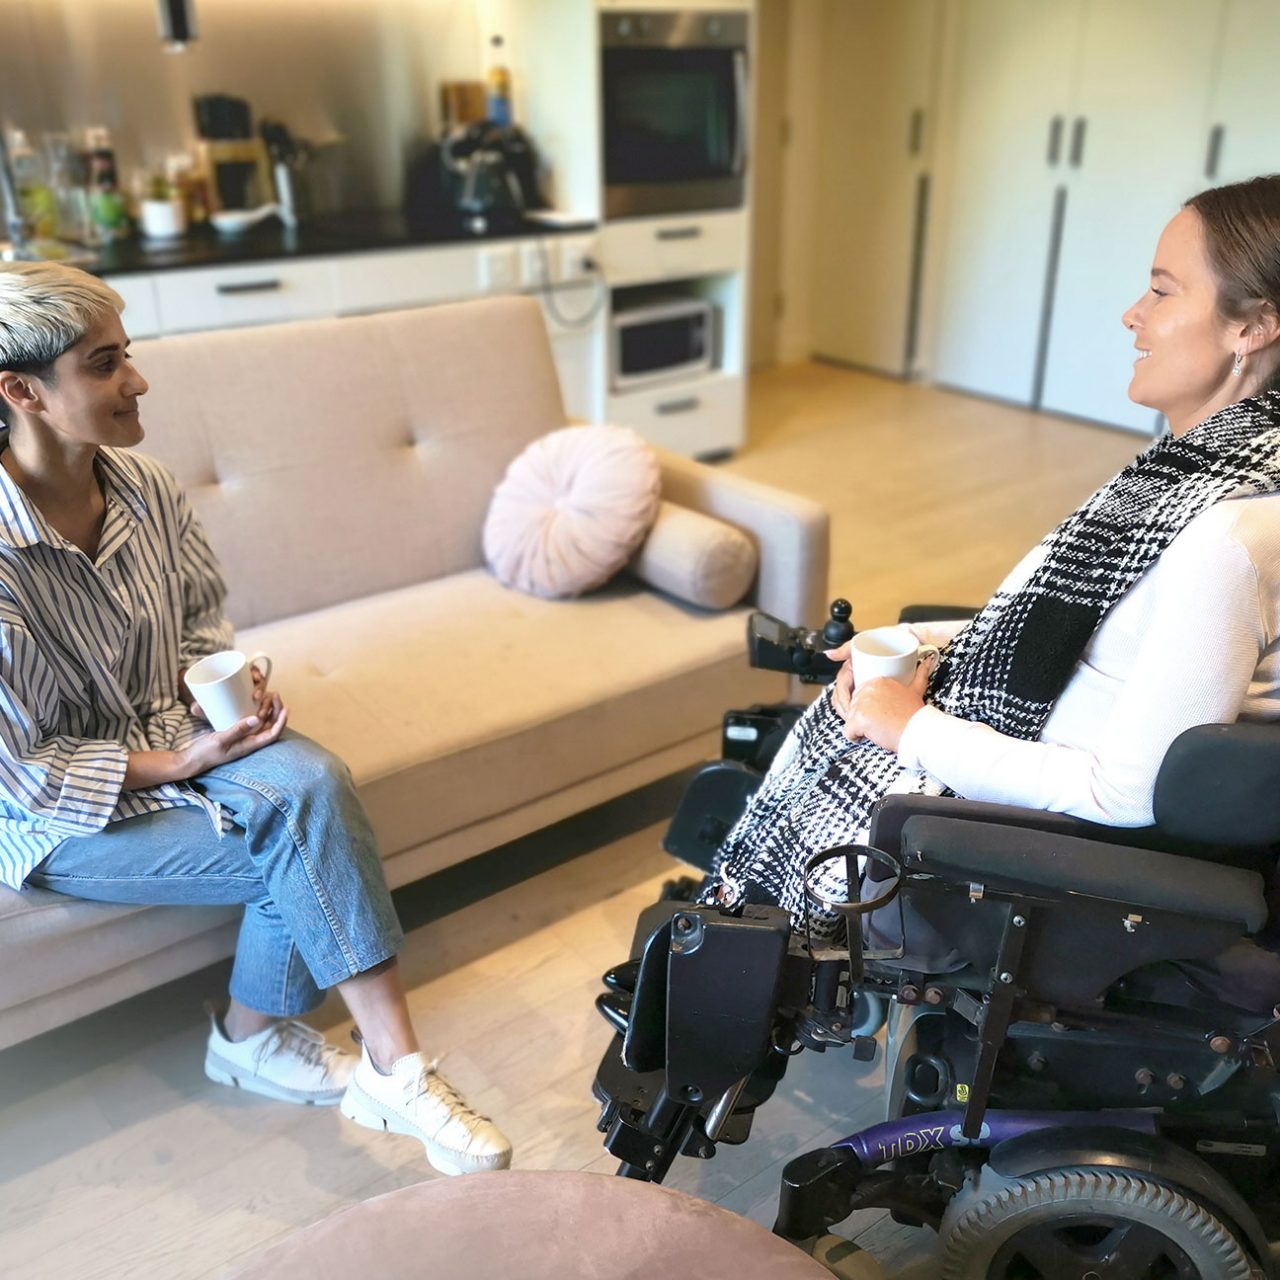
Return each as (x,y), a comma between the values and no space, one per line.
(354,232)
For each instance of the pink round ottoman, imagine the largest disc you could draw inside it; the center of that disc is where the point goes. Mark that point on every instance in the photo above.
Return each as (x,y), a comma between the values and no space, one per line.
(535,1226)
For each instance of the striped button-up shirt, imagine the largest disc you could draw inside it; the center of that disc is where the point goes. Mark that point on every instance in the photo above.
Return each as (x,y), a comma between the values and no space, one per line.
(90,650)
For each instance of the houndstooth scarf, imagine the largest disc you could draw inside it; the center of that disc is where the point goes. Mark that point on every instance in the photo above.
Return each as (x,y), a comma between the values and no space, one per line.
(1008,666)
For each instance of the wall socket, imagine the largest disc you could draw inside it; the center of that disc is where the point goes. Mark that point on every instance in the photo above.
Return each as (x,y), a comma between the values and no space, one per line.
(500,268)
(577,257)
(537,258)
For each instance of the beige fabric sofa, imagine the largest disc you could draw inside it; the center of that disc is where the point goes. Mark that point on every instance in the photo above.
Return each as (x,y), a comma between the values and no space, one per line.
(343,469)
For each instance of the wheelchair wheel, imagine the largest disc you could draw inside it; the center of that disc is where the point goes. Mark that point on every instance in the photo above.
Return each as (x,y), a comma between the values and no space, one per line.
(1087,1223)
(867,1013)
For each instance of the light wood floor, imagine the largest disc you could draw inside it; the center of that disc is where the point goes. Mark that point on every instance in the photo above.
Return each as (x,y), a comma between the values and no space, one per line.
(117,1158)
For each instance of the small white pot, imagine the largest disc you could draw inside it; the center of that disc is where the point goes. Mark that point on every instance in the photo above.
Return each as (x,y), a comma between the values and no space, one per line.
(163,219)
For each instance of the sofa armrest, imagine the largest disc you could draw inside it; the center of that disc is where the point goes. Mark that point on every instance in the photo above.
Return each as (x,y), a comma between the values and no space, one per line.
(790,532)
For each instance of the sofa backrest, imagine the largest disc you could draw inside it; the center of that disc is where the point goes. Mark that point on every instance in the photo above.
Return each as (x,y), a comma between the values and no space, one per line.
(333,459)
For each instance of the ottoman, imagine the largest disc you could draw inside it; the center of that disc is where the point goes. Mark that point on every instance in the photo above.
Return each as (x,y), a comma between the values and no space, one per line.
(535,1225)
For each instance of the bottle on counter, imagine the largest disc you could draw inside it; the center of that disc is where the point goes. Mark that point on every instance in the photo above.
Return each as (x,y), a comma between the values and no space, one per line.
(34,195)
(498,86)
(107,213)
(68,181)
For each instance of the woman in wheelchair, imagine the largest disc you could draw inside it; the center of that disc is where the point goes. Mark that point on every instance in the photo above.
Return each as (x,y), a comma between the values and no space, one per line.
(1067,822)
(1154,607)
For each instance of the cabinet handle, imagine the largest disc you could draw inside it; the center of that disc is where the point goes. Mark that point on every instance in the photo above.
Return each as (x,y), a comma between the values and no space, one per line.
(1214,153)
(687,405)
(679,233)
(915,132)
(1077,141)
(1055,140)
(251,286)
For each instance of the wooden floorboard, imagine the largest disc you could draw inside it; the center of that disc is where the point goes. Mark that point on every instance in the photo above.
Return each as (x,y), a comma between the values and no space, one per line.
(118,1159)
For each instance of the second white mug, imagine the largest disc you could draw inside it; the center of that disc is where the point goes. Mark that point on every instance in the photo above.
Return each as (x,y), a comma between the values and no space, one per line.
(887,652)
(222,684)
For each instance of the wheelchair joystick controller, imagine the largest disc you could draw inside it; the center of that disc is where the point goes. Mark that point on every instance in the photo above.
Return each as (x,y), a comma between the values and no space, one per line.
(775,646)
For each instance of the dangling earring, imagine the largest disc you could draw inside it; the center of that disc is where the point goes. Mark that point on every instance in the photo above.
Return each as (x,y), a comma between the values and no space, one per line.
(1238,368)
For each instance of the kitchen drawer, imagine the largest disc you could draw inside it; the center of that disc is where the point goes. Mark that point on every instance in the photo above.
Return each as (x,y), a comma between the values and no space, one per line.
(639,250)
(701,416)
(141,314)
(256,293)
(406,277)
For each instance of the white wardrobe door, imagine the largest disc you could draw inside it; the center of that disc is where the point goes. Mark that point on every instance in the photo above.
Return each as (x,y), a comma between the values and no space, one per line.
(1013,75)
(1244,89)
(1145,75)
(875,119)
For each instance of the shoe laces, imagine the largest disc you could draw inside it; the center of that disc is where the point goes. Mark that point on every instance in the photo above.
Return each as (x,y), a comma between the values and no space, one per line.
(304,1043)
(431,1084)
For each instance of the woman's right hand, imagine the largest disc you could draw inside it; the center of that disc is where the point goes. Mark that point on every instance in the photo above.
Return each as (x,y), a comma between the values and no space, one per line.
(242,739)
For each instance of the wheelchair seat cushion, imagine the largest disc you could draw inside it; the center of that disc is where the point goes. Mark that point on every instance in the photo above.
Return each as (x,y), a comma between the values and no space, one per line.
(979,853)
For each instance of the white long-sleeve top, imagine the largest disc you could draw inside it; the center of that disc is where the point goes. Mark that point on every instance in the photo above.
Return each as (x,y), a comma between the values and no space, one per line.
(1196,640)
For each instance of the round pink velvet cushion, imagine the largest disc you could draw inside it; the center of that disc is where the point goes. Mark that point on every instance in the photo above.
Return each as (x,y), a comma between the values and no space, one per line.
(530,1225)
(571,510)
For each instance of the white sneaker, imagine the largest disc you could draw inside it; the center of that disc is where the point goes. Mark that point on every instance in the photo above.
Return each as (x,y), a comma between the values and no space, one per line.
(288,1061)
(415,1099)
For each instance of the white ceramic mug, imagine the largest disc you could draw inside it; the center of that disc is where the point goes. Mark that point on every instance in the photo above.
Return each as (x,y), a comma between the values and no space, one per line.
(887,651)
(163,219)
(222,684)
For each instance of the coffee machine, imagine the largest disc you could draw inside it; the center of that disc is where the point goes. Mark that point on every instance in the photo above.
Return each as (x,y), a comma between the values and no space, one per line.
(481,176)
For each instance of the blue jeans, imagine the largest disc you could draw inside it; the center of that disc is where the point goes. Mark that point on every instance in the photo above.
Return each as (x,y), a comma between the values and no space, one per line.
(301,857)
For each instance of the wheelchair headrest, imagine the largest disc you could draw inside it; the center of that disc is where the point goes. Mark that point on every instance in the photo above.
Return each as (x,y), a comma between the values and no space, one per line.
(1220,784)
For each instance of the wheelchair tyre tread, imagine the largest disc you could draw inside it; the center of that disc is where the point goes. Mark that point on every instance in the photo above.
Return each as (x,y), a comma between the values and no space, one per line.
(980,1223)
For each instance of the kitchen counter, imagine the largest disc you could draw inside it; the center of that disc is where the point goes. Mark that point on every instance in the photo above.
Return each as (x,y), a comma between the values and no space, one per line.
(329,235)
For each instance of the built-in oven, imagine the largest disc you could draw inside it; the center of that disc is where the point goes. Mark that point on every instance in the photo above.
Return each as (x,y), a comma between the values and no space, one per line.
(675,111)
(658,338)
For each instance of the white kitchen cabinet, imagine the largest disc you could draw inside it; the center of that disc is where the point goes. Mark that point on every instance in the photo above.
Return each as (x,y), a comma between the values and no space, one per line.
(695,416)
(392,278)
(645,250)
(1243,141)
(1143,93)
(1013,80)
(141,311)
(877,78)
(249,294)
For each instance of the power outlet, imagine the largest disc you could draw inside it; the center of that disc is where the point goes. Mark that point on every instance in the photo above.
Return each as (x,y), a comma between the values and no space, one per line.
(500,269)
(577,257)
(537,264)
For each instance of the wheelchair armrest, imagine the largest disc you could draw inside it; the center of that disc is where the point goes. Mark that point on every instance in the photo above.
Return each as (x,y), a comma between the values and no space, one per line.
(892,813)
(962,851)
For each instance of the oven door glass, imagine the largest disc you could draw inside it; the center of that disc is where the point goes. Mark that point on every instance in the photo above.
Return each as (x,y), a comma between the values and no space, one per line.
(671,115)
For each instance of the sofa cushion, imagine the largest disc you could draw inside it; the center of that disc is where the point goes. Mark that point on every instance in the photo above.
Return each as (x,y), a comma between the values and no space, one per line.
(435,694)
(698,558)
(571,509)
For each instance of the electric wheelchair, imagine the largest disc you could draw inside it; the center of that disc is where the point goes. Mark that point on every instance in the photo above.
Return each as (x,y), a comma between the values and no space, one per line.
(1086,1088)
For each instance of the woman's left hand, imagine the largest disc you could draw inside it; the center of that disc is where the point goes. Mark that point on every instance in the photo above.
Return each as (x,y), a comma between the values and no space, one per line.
(880,709)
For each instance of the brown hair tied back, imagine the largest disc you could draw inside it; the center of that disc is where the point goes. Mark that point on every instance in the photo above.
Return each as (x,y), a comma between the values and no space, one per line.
(1242,237)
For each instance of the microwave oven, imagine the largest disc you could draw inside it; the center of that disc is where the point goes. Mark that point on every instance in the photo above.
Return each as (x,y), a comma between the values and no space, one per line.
(674,95)
(661,339)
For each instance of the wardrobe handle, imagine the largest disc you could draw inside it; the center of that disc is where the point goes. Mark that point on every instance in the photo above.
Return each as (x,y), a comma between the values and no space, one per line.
(1055,140)
(1077,141)
(915,132)
(1214,153)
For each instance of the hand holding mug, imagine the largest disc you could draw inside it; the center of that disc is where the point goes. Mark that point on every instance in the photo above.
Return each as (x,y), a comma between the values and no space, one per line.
(228,687)
(882,683)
